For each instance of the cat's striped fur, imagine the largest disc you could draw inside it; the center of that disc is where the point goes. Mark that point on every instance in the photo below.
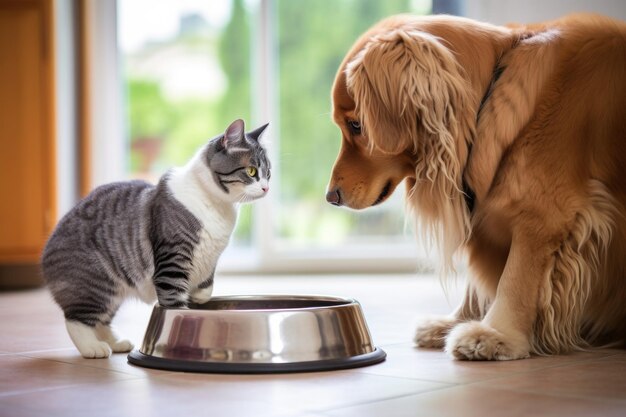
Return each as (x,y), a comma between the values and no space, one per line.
(153,242)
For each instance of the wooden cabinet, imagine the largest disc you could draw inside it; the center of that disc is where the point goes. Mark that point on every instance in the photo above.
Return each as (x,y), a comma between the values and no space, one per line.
(27,129)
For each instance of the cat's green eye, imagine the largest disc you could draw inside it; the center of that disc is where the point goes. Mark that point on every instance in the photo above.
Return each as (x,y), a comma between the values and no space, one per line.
(251,171)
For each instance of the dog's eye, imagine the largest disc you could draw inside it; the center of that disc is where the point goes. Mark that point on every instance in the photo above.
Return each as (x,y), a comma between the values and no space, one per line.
(355,127)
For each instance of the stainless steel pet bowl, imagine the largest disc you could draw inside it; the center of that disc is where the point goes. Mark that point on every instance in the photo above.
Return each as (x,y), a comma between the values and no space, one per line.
(259,334)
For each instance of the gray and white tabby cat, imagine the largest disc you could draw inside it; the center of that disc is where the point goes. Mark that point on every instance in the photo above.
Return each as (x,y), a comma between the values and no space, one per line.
(153,242)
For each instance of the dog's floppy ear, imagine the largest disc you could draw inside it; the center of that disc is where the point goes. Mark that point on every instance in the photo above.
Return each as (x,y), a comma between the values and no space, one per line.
(410,94)
(407,87)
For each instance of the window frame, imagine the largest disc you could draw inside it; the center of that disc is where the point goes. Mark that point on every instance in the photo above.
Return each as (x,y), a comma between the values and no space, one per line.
(270,256)
(265,254)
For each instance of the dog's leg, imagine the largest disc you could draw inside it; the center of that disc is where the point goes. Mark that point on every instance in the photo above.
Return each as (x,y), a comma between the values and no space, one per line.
(505,332)
(432,332)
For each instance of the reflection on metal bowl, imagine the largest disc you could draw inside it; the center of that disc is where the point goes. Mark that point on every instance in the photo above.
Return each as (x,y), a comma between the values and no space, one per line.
(259,334)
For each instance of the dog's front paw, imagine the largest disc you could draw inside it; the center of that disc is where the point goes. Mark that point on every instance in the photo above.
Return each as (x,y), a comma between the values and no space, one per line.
(477,341)
(431,333)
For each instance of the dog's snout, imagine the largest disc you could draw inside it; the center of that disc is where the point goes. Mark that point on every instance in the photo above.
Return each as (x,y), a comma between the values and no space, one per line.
(334,197)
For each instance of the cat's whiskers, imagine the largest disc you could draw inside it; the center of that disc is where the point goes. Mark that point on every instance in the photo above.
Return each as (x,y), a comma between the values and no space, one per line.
(244,199)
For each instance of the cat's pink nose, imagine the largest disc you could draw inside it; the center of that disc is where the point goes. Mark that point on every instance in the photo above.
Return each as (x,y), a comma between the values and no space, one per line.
(265,189)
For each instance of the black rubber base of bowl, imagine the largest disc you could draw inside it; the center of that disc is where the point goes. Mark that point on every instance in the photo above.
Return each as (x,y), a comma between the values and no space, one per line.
(140,359)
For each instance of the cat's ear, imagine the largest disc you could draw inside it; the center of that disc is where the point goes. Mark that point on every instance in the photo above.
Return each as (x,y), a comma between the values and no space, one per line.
(234,133)
(256,133)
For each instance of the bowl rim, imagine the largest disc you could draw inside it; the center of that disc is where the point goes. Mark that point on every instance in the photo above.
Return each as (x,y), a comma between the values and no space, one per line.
(335,303)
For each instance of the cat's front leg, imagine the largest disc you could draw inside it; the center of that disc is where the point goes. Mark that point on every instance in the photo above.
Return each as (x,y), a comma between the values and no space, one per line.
(172,287)
(172,298)
(172,262)
(202,294)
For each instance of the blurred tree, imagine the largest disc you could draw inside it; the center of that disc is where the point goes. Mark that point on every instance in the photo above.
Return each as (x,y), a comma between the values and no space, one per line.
(314,36)
(149,112)
(151,119)
(234,55)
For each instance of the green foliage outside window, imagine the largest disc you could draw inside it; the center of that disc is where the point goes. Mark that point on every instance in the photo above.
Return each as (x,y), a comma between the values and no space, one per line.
(312,38)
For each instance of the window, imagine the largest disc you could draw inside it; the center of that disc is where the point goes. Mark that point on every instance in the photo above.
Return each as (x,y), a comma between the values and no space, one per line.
(191,67)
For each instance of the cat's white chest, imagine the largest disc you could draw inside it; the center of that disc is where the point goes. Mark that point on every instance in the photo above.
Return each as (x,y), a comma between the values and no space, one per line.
(217,219)
(214,235)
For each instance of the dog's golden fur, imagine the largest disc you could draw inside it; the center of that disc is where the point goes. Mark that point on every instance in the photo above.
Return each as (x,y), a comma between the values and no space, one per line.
(512,145)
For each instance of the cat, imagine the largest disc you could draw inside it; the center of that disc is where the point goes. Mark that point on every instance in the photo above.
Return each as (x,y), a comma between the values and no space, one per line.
(151,241)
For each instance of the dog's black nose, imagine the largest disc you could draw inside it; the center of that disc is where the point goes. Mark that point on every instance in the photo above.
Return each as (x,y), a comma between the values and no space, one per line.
(334,197)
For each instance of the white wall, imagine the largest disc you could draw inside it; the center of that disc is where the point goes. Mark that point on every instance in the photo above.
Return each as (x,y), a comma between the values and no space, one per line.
(108,142)
(66,105)
(528,11)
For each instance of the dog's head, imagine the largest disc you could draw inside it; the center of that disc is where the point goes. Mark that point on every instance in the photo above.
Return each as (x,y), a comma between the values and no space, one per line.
(363,175)
(400,100)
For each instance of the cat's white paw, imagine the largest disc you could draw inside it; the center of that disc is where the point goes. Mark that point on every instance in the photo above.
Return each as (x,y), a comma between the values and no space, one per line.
(110,336)
(122,346)
(202,295)
(95,350)
(86,340)
(432,332)
(478,341)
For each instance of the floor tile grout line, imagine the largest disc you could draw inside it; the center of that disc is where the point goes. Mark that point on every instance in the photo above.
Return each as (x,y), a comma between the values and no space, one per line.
(604,400)
(490,378)
(554,394)
(8,394)
(394,344)
(409,378)
(4,396)
(66,362)
(41,351)
(553,366)
(378,400)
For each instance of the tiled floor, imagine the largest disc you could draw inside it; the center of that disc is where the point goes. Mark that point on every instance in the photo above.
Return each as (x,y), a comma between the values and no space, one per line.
(41,374)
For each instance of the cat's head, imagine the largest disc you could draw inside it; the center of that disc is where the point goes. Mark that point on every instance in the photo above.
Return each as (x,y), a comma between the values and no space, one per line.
(239,163)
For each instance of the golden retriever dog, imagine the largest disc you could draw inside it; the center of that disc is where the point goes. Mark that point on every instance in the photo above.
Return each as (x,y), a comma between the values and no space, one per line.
(512,145)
